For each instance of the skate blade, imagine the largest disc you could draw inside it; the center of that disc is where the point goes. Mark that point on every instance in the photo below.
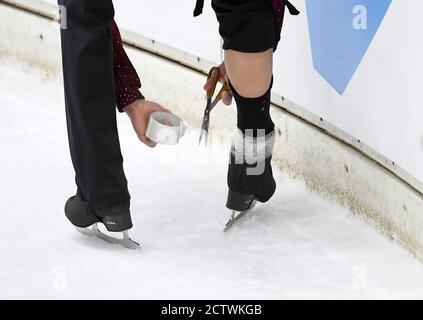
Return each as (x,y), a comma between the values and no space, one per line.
(126,242)
(233,220)
(236,217)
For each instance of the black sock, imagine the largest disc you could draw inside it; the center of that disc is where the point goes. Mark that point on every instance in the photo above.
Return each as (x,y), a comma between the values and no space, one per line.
(254,113)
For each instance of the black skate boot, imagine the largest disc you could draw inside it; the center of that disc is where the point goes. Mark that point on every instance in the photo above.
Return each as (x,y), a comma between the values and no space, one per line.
(118,219)
(250,176)
(249,180)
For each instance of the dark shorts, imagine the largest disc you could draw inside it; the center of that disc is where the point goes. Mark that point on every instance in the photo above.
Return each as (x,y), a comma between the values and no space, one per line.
(247,25)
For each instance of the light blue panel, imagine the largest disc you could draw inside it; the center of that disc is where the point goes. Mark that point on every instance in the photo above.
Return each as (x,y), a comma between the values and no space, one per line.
(338,47)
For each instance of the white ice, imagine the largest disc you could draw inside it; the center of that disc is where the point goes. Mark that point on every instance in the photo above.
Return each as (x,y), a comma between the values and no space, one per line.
(296,246)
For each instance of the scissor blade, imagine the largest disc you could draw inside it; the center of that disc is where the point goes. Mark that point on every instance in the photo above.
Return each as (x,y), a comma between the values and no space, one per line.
(206,119)
(205,127)
(204,134)
(201,137)
(213,104)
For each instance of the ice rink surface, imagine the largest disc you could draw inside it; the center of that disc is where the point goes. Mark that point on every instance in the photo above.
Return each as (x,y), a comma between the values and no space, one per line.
(296,246)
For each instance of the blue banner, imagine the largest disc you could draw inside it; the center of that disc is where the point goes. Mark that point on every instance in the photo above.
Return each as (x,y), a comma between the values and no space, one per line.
(341,31)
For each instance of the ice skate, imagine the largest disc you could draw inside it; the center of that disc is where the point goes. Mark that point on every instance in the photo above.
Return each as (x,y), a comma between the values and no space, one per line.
(250,180)
(240,205)
(125,242)
(85,221)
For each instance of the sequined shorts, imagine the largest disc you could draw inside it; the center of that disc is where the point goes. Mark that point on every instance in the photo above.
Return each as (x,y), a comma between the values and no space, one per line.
(247,25)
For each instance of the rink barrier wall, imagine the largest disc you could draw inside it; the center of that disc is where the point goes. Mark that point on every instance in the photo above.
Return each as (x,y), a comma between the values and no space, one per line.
(330,161)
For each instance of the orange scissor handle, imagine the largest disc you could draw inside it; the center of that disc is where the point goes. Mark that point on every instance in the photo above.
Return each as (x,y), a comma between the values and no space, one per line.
(225,86)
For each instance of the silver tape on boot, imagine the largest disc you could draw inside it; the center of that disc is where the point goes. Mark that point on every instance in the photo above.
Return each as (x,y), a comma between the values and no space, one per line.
(252,150)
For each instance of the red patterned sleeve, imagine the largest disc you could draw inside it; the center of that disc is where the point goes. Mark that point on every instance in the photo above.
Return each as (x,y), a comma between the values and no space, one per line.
(279,11)
(127,82)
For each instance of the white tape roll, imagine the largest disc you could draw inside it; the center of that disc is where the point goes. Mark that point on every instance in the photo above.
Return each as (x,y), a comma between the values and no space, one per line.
(164,128)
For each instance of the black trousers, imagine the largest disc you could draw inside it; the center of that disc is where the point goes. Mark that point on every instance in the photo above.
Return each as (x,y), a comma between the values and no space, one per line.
(87,51)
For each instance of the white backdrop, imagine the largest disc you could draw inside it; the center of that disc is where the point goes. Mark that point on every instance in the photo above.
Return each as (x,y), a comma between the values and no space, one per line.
(381,106)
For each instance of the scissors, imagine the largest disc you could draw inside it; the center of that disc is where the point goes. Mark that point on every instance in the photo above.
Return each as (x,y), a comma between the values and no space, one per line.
(211,103)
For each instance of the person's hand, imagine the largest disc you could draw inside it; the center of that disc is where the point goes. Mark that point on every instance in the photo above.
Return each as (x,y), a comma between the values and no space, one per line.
(226,95)
(139,112)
